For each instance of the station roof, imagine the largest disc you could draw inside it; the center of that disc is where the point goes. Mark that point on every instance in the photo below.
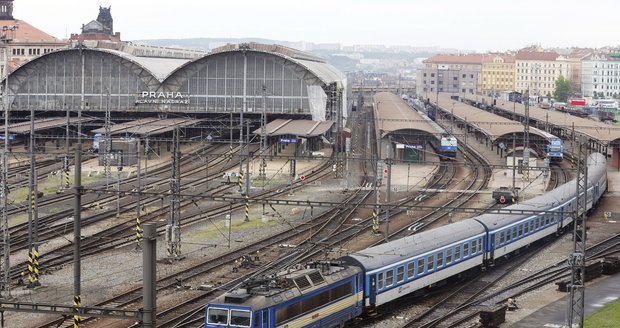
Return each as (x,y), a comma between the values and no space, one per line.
(43,124)
(148,126)
(316,65)
(491,125)
(300,128)
(393,113)
(159,67)
(603,132)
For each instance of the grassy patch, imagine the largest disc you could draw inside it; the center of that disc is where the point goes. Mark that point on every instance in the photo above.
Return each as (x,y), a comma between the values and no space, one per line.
(50,185)
(607,317)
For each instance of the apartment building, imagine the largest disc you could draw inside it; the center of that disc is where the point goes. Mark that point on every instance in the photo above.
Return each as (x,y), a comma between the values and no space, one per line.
(600,74)
(537,71)
(498,73)
(457,74)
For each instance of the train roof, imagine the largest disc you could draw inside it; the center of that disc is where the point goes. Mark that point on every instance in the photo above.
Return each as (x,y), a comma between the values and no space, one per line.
(273,289)
(420,243)
(597,166)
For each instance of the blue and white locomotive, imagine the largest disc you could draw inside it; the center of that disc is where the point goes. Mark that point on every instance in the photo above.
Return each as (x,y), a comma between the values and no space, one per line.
(554,149)
(328,294)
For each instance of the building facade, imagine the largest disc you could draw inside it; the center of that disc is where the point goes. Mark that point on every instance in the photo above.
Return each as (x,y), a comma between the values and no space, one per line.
(498,73)
(537,71)
(457,74)
(600,75)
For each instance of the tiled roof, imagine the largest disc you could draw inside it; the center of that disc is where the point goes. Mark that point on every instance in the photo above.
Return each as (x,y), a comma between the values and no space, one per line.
(537,55)
(456,59)
(26,32)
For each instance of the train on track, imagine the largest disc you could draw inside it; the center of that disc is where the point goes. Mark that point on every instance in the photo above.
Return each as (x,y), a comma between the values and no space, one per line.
(330,293)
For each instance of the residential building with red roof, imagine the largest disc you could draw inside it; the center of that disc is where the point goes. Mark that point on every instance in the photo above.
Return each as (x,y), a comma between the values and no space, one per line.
(536,71)
(21,40)
(498,73)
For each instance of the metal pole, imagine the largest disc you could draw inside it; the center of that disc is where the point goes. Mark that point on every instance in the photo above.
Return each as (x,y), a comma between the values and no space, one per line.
(78,190)
(247,164)
(138,203)
(389,191)
(514,164)
(148,275)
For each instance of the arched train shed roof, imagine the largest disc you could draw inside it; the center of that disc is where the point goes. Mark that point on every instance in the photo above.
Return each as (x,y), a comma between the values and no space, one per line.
(491,125)
(314,70)
(392,114)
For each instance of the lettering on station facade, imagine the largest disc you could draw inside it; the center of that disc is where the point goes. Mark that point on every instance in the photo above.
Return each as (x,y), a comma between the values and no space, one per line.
(162,98)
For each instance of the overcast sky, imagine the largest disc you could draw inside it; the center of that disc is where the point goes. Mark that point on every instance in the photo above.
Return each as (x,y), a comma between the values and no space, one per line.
(476,24)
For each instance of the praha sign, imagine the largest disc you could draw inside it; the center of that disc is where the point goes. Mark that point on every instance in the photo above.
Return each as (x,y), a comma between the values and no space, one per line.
(162,98)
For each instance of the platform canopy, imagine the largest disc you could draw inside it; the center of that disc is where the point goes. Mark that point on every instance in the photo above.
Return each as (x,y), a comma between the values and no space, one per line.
(148,126)
(299,128)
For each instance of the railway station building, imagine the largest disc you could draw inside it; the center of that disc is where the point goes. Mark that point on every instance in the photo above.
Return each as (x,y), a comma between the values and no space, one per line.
(219,88)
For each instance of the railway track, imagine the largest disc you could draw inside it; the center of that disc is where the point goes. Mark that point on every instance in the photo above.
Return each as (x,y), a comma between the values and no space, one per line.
(170,282)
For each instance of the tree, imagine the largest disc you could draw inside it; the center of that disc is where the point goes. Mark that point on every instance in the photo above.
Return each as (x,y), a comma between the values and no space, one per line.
(562,89)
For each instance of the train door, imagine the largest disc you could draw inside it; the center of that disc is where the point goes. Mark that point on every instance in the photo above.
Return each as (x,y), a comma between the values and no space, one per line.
(261,319)
(560,219)
(373,290)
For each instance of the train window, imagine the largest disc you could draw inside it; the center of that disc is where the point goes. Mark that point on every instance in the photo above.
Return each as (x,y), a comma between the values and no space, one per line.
(448,255)
(465,250)
(474,247)
(217,316)
(265,318)
(410,269)
(439,259)
(312,303)
(400,273)
(508,235)
(520,231)
(546,220)
(389,277)
(380,280)
(531,226)
(497,238)
(430,263)
(240,318)
(501,237)
(420,267)
(514,233)
(457,253)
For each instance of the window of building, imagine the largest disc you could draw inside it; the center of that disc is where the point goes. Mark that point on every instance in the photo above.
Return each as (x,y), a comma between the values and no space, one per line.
(432,74)
(424,75)
(464,75)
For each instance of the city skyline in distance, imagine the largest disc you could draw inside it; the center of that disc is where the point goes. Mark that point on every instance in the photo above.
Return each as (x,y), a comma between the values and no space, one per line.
(482,25)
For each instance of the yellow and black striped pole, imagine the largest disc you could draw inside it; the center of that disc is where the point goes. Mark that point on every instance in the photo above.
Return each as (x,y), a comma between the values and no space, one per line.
(30,268)
(35,261)
(247,209)
(67,178)
(240,180)
(77,302)
(138,233)
(230,152)
(375,224)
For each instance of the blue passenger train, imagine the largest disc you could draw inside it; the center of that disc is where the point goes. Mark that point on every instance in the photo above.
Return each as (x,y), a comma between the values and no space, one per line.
(328,294)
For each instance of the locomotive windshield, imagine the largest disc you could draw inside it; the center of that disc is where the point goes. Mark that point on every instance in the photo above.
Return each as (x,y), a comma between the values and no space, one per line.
(228,317)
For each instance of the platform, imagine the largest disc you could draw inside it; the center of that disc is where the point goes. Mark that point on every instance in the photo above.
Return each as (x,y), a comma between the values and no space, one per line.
(598,293)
